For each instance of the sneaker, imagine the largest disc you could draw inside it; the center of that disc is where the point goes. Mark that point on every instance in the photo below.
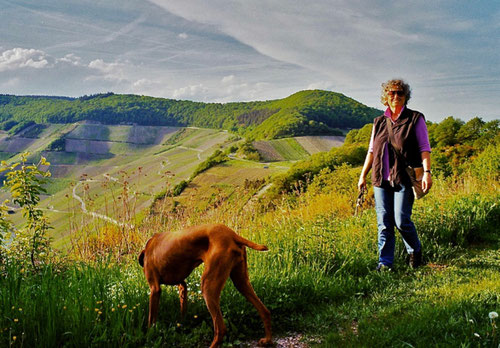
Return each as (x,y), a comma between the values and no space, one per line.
(383,268)
(415,259)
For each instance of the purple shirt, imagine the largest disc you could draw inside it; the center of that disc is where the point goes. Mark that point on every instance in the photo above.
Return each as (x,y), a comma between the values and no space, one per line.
(422,140)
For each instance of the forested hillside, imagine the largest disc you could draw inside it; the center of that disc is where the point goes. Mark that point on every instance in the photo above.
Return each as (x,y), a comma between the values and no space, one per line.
(304,113)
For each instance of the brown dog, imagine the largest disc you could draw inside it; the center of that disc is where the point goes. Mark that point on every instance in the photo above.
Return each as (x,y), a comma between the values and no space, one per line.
(169,258)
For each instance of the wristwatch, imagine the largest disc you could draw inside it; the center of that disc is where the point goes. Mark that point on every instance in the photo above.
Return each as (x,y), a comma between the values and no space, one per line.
(427,171)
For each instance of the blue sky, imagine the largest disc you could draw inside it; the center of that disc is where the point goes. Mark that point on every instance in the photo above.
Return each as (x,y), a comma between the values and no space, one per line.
(222,51)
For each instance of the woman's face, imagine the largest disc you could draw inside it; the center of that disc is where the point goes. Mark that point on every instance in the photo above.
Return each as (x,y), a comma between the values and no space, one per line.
(396,97)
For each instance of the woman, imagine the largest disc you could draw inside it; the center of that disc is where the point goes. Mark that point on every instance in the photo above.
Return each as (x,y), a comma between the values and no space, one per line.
(392,186)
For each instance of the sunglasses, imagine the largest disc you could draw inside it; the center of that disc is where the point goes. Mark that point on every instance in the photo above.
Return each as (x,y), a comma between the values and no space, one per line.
(399,93)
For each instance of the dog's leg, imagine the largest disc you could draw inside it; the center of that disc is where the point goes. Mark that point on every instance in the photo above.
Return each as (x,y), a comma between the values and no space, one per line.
(183,297)
(239,276)
(212,282)
(154,301)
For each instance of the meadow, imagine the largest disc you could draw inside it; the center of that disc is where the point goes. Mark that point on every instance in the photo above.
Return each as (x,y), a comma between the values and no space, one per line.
(318,278)
(79,284)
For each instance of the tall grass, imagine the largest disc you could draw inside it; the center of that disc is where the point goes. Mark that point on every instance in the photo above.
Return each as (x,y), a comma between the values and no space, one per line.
(317,277)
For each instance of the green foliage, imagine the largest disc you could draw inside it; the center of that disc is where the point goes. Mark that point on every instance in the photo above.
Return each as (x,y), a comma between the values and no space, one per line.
(5,228)
(7,125)
(445,133)
(458,221)
(456,144)
(304,113)
(20,126)
(34,131)
(301,173)
(487,163)
(26,185)
(57,145)
(247,151)
(216,158)
(359,136)
(179,188)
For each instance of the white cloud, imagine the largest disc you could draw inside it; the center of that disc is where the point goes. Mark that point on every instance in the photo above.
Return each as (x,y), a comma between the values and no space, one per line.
(199,91)
(228,79)
(20,58)
(357,46)
(114,71)
(183,36)
(72,59)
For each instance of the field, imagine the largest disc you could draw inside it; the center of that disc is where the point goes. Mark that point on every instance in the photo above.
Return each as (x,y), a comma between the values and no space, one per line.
(317,279)
(293,149)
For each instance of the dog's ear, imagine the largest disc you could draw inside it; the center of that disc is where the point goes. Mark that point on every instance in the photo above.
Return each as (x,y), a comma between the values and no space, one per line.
(141,258)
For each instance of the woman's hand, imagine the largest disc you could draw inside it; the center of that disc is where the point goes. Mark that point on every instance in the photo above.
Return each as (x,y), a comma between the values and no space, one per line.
(362,184)
(426,182)
(366,168)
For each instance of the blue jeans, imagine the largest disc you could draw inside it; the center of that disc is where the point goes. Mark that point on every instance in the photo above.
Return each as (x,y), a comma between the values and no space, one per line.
(394,209)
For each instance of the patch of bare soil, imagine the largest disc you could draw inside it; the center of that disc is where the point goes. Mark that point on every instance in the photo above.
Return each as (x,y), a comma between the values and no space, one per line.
(292,340)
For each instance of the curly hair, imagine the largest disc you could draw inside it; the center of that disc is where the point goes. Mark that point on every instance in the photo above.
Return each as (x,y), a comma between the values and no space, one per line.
(389,85)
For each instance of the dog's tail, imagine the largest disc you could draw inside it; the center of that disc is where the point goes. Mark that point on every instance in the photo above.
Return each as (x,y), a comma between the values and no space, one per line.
(141,258)
(240,240)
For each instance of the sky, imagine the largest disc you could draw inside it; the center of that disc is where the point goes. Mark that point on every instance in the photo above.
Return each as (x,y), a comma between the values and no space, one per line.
(245,50)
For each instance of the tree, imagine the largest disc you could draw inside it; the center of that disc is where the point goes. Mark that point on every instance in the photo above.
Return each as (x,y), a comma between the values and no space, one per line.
(445,133)
(470,131)
(25,185)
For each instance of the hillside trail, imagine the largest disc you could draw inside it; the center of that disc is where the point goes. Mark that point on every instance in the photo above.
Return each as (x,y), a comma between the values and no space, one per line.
(83,207)
(292,340)
(193,149)
(256,196)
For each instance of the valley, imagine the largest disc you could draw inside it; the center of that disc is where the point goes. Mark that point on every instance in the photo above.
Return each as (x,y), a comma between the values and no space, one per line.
(112,173)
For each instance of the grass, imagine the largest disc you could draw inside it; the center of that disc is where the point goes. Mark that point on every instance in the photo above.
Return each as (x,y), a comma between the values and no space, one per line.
(105,304)
(317,278)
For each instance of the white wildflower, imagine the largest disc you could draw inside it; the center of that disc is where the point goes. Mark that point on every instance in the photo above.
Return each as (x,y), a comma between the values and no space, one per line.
(493,315)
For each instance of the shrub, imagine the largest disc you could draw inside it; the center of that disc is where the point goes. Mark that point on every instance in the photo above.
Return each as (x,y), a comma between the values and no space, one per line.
(6,125)
(20,126)
(57,145)
(487,164)
(249,152)
(217,157)
(26,185)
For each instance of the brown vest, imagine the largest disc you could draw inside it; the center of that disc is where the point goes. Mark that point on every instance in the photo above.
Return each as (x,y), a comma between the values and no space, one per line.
(405,138)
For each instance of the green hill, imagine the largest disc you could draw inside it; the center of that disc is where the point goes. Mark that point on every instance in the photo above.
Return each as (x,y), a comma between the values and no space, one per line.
(312,112)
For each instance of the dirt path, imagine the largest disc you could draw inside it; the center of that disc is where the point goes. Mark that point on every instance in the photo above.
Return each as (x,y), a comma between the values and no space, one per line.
(83,207)
(293,340)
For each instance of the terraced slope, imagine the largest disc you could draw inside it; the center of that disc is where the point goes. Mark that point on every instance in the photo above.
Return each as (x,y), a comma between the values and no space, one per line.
(103,163)
(297,148)
(105,170)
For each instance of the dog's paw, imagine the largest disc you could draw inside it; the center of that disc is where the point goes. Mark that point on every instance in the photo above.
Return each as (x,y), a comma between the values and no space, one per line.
(265,342)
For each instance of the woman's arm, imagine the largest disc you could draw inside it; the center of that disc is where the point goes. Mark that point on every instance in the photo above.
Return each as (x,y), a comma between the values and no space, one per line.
(427,179)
